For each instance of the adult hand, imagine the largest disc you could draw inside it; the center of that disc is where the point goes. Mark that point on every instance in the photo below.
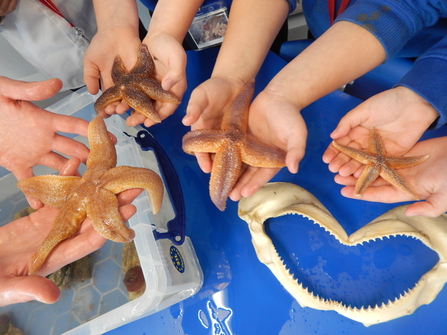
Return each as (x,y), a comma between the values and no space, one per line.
(429,180)
(29,135)
(20,239)
(399,114)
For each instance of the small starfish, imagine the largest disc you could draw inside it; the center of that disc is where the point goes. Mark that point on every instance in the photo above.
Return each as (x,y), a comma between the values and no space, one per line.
(378,163)
(232,146)
(92,195)
(138,87)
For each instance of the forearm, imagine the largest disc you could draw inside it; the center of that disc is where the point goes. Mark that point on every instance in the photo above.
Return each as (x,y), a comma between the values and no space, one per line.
(116,14)
(173,17)
(252,27)
(341,54)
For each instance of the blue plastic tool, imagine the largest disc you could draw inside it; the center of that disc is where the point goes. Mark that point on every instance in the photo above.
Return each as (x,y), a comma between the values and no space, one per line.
(176,227)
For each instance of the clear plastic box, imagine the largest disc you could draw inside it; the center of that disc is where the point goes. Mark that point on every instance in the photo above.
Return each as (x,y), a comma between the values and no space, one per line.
(172,271)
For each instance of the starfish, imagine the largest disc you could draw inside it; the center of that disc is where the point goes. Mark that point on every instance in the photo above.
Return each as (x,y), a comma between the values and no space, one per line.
(138,87)
(379,164)
(92,195)
(232,146)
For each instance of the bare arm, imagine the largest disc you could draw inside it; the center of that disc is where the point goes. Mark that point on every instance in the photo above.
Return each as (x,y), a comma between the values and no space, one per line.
(343,53)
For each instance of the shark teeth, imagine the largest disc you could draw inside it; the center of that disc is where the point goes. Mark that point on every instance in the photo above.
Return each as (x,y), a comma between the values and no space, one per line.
(277,199)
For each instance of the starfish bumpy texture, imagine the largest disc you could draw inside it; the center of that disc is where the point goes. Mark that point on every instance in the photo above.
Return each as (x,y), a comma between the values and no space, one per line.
(278,199)
(232,146)
(92,195)
(138,87)
(378,163)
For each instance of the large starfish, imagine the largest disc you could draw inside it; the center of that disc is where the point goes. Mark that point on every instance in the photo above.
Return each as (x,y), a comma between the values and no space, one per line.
(92,195)
(138,87)
(232,146)
(379,164)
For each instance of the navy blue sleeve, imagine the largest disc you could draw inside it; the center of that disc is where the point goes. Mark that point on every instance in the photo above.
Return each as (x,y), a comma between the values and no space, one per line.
(428,78)
(394,22)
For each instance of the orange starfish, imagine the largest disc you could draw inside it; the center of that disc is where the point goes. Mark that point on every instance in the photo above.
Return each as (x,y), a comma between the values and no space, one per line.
(379,164)
(92,195)
(137,87)
(232,146)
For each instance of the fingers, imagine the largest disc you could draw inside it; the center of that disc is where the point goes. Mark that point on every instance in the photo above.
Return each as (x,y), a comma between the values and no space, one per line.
(196,105)
(91,77)
(69,124)
(176,72)
(432,207)
(205,161)
(351,120)
(71,167)
(26,288)
(251,181)
(68,147)
(29,91)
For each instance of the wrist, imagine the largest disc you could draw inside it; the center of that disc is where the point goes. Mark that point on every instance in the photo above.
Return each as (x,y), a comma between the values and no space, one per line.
(427,113)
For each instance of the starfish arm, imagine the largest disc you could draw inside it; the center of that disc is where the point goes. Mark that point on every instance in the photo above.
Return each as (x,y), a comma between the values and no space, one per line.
(203,140)
(154,90)
(66,224)
(102,156)
(112,94)
(123,178)
(144,64)
(405,162)
(236,113)
(141,103)
(369,174)
(376,145)
(118,69)
(256,153)
(51,190)
(358,155)
(106,219)
(394,178)
(227,165)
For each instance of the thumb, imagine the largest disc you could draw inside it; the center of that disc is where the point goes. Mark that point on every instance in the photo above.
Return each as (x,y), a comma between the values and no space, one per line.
(351,120)
(196,105)
(29,91)
(176,72)
(432,207)
(26,288)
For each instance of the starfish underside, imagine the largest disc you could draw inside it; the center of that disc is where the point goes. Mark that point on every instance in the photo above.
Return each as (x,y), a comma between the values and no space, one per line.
(277,199)
(232,146)
(138,87)
(93,195)
(379,164)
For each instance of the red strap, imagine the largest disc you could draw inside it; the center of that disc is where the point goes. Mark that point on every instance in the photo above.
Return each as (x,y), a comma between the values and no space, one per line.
(331,9)
(52,6)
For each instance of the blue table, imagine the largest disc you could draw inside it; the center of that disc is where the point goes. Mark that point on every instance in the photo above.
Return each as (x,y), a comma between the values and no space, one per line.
(240,295)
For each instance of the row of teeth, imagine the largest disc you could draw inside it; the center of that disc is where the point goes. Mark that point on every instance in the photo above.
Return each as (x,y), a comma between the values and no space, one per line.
(372,239)
(339,304)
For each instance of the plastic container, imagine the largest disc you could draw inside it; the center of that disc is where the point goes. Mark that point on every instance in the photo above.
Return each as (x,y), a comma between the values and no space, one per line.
(170,266)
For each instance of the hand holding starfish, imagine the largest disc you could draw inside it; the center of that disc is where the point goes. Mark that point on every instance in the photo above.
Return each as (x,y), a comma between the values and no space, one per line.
(379,164)
(20,238)
(429,181)
(399,114)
